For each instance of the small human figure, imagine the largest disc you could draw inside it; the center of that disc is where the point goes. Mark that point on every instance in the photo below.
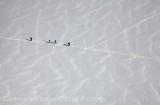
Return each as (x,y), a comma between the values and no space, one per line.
(30,39)
(67,44)
(49,41)
(55,42)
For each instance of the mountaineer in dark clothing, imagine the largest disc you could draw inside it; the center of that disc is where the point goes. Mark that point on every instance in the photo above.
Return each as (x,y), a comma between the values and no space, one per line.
(30,39)
(67,44)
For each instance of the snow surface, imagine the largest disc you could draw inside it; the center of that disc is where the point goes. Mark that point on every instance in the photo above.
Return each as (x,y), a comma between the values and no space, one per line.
(114,54)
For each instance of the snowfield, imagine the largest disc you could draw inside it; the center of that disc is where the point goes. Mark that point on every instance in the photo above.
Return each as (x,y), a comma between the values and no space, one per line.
(113,57)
